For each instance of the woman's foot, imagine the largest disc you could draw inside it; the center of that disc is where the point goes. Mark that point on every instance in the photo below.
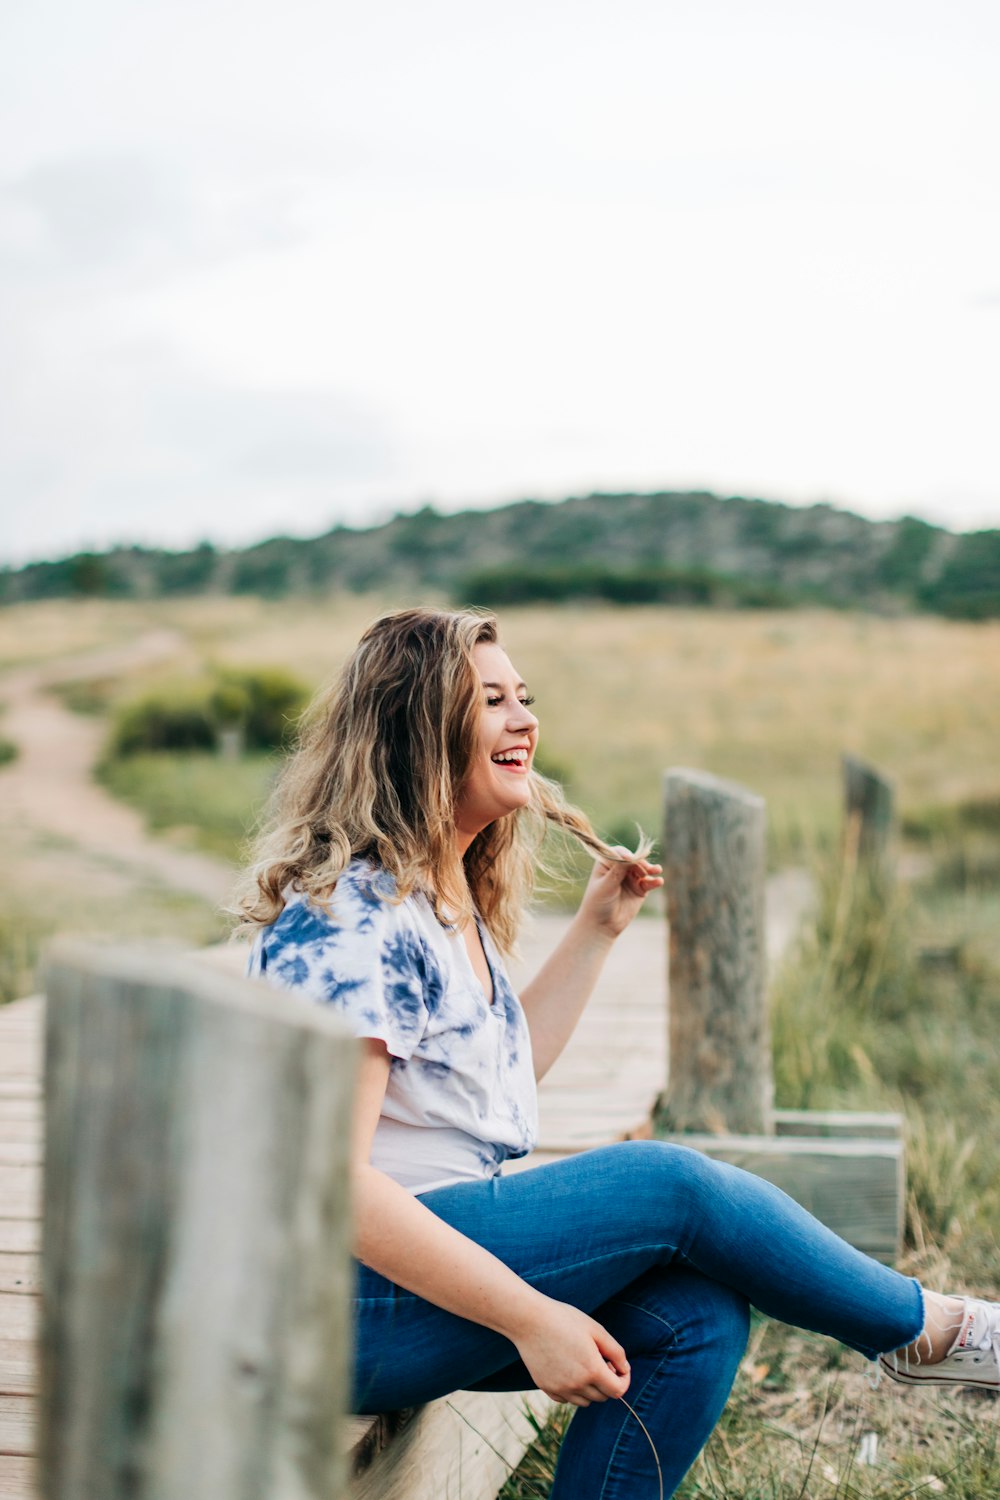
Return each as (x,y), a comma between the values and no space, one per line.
(960,1342)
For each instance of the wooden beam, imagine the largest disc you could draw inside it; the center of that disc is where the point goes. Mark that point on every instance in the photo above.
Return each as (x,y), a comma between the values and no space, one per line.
(195,1263)
(462,1447)
(869,816)
(714,873)
(874,1124)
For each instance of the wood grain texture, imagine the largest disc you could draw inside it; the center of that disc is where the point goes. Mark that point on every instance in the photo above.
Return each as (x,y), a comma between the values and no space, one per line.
(17,1478)
(18,1366)
(19,1273)
(462,1447)
(17,1425)
(714,871)
(195,1266)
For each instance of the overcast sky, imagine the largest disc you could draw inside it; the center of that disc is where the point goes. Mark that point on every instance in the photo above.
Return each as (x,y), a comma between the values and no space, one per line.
(269,266)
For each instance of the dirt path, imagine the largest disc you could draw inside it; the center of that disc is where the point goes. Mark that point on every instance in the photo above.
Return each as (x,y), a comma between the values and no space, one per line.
(49,793)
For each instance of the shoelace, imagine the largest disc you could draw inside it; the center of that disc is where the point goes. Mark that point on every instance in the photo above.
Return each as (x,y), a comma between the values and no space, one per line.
(995,1345)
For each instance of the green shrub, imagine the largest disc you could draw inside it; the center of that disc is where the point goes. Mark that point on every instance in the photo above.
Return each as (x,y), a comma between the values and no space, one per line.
(8,751)
(274,700)
(176,717)
(189,715)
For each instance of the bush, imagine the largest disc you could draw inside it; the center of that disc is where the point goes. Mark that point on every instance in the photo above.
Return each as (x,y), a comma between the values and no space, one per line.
(169,718)
(264,702)
(272,699)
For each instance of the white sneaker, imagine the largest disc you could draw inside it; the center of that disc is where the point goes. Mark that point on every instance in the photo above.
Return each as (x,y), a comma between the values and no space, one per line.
(973,1359)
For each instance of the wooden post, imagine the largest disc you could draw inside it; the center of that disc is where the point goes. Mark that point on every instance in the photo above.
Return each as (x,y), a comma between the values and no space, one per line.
(195,1241)
(714,870)
(869,815)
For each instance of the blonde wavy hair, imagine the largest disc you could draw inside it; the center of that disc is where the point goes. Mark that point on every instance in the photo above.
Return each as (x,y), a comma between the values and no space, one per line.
(382,758)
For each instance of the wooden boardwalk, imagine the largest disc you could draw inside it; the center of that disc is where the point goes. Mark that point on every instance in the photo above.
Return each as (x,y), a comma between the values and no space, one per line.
(602,1089)
(20,1238)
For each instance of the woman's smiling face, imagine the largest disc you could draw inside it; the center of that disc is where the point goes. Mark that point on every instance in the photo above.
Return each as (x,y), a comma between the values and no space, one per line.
(497,783)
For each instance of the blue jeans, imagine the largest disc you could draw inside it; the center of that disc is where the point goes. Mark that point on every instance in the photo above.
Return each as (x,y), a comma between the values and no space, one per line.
(667,1249)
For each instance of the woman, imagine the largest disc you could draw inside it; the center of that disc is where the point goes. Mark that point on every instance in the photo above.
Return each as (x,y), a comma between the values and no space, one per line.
(400,857)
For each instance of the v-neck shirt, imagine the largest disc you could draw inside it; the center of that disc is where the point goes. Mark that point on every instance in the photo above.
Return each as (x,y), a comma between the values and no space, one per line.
(461,1095)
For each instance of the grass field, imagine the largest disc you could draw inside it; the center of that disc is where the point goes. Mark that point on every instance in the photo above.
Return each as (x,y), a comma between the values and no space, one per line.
(767,699)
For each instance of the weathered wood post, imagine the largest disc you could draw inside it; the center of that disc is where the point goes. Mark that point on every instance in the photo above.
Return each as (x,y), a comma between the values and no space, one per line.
(195,1242)
(714,871)
(869,816)
(847,1168)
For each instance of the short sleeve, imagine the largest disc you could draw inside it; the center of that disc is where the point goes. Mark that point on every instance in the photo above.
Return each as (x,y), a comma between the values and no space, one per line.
(367,960)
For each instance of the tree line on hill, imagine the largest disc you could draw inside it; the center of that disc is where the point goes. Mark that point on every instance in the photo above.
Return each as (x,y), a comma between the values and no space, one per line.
(670,548)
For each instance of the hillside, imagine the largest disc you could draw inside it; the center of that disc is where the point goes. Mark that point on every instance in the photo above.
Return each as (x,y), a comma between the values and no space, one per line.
(692,548)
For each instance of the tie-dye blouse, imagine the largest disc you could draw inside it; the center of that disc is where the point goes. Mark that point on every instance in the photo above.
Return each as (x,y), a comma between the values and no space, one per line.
(461,1093)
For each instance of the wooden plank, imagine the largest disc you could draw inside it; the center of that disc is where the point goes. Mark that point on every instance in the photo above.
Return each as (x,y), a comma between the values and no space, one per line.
(19,1273)
(875,1125)
(21,1192)
(17,1478)
(20,1153)
(195,1272)
(20,1051)
(462,1447)
(22,1108)
(20,1235)
(18,1425)
(27,1006)
(19,1315)
(22,1131)
(18,1367)
(855,1187)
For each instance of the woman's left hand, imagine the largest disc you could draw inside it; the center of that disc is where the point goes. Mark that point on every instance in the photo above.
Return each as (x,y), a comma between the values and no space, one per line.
(615,893)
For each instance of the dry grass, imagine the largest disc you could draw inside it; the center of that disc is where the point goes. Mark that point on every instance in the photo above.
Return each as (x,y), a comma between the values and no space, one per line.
(768,699)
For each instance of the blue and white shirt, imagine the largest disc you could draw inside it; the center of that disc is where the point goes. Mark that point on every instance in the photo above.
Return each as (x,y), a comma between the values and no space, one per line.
(461,1095)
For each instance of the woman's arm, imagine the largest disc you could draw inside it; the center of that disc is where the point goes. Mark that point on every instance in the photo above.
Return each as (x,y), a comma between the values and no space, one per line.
(554,1000)
(569,1355)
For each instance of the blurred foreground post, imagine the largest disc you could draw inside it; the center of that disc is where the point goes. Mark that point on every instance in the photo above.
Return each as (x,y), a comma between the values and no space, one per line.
(195,1242)
(714,869)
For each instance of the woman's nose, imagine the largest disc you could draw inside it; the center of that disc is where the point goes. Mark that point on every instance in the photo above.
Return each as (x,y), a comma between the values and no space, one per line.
(522,718)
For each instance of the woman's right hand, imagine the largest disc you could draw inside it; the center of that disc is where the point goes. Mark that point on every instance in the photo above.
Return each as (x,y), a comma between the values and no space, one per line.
(571,1357)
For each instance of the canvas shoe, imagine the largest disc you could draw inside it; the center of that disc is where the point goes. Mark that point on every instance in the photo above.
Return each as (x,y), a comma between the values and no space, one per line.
(974,1357)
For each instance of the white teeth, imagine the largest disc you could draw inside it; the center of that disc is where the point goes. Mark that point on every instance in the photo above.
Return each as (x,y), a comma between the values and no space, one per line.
(505,756)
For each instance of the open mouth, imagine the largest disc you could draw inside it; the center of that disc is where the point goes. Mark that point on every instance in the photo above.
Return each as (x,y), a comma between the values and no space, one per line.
(511,760)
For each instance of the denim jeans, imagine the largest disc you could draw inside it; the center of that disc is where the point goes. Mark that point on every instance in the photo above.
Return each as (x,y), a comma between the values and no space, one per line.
(668,1250)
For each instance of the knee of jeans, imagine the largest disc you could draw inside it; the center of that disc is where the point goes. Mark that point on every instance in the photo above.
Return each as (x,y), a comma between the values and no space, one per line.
(728,1312)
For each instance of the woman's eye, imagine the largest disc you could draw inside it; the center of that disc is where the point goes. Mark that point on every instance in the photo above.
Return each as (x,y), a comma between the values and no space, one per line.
(494,700)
